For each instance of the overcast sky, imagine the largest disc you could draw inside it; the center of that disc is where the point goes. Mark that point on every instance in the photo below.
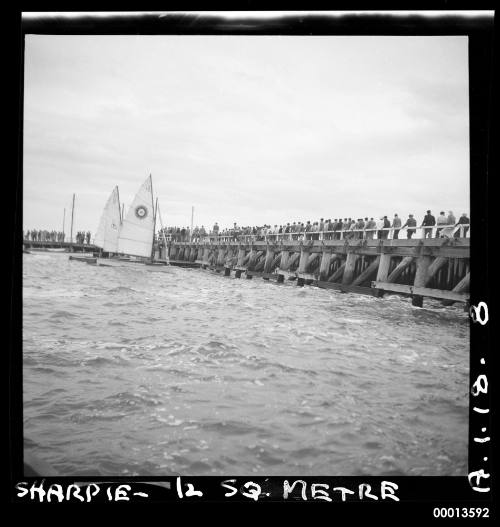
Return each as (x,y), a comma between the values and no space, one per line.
(252,129)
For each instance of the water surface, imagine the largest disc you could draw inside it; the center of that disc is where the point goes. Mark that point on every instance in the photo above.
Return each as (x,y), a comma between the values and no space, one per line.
(132,371)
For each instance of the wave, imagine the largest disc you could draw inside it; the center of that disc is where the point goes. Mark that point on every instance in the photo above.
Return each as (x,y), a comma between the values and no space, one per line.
(120,289)
(62,314)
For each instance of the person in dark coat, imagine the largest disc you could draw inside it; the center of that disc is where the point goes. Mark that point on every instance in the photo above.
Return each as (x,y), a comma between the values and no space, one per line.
(429,221)
(386,225)
(396,225)
(463,220)
(410,222)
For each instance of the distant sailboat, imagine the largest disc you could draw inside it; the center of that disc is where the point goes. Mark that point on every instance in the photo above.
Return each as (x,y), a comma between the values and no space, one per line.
(137,229)
(106,237)
(131,236)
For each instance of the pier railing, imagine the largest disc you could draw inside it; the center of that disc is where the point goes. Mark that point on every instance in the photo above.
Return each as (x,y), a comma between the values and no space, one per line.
(387,233)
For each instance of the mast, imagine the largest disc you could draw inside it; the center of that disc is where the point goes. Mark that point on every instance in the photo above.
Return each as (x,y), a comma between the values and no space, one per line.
(64,220)
(192,216)
(163,233)
(72,214)
(154,229)
(120,209)
(154,217)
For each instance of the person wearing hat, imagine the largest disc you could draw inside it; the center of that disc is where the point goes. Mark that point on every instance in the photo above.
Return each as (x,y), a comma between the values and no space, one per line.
(396,225)
(441,222)
(429,221)
(410,222)
(386,225)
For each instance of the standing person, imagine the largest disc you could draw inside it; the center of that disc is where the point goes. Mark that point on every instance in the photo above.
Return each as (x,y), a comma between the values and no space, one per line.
(441,222)
(360,226)
(410,222)
(379,226)
(345,228)
(338,229)
(321,228)
(370,229)
(88,237)
(307,229)
(429,221)
(386,227)
(451,218)
(396,225)
(463,220)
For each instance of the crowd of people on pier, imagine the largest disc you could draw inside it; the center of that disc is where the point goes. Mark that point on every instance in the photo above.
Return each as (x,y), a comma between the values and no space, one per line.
(40,235)
(445,225)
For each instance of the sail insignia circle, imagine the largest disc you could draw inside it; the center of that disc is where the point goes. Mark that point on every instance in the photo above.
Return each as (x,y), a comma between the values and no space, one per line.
(141,212)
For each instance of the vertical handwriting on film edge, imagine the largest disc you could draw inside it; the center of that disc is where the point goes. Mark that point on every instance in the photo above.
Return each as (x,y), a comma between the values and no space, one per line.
(479,314)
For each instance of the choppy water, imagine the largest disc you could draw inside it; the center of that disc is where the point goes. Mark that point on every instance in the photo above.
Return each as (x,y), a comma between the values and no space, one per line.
(131,371)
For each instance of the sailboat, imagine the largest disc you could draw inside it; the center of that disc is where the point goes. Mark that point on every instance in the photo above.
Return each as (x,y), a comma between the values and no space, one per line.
(130,238)
(106,237)
(138,226)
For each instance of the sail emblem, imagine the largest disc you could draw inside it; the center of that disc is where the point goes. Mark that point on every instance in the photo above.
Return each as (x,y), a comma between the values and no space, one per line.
(141,212)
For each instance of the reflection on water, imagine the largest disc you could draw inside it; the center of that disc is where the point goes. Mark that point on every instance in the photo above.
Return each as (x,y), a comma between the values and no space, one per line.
(130,371)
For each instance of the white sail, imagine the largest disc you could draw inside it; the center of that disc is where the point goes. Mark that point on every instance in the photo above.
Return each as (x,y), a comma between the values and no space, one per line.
(107,233)
(136,233)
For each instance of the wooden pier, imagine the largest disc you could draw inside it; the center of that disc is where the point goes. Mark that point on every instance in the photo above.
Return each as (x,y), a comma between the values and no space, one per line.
(436,268)
(67,246)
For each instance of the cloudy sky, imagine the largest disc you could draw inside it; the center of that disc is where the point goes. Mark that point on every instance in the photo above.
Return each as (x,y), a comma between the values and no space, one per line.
(252,129)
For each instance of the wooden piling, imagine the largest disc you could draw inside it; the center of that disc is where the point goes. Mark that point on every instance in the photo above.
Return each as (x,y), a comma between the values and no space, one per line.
(421,278)
(350,264)
(324,267)
(269,259)
(383,267)
(304,258)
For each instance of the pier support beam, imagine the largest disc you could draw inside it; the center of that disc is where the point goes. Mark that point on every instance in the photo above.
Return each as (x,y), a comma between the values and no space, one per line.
(461,287)
(324,266)
(403,264)
(284,262)
(304,259)
(367,273)
(268,262)
(350,264)
(252,257)
(312,259)
(383,268)
(337,274)
(434,267)
(221,256)
(206,254)
(421,275)
(241,256)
